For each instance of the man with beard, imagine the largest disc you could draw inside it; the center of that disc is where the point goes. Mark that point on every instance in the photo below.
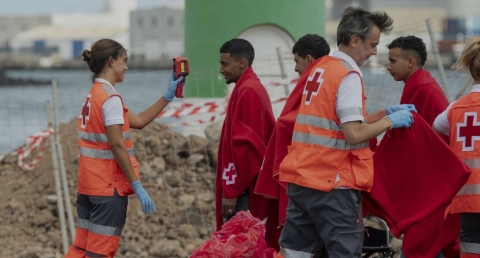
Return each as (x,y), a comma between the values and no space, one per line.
(329,161)
(248,125)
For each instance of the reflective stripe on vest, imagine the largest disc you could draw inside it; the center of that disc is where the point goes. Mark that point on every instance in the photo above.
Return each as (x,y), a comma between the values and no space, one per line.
(101,154)
(469,248)
(326,141)
(472,163)
(469,190)
(318,122)
(97,137)
(108,89)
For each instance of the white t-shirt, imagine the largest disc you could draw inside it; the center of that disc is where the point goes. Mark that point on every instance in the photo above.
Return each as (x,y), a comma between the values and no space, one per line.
(112,108)
(441,122)
(349,103)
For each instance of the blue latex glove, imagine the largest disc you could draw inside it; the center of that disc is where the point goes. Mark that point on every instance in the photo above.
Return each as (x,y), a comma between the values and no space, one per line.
(408,107)
(401,118)
(147,203)
(172,87)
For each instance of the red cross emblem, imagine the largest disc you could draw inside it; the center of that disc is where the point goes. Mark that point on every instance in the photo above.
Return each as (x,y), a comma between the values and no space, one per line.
(313,85)
(468,131)
(229,174)
(85,112)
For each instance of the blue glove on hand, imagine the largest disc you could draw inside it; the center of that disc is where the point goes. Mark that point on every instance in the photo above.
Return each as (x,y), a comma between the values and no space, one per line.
(147,203)
(172,88)
(408,107)
(401,118)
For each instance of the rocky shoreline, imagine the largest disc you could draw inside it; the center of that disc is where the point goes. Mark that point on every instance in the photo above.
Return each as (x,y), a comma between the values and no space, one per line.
(178,173)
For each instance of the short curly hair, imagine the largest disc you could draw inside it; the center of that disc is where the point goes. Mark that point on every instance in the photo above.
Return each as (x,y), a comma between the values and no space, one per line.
(311,44)
(239,48)
(411,45)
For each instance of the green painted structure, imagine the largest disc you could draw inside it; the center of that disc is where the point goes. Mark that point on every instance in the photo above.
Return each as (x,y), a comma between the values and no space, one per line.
(210,23)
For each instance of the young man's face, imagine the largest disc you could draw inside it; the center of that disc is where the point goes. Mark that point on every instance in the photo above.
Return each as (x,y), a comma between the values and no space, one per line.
(300,63)
(398,65)
(230,68)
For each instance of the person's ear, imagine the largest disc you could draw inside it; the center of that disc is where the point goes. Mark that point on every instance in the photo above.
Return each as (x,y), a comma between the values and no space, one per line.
(411,62)
(309,59)
(355,40)
(110,61)
(243,63)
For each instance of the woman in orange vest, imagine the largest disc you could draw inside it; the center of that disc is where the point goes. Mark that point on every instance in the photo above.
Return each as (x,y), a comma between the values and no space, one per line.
(461,122)
(108,171)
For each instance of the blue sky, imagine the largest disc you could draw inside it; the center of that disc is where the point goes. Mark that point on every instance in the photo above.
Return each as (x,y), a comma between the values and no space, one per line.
(36,7)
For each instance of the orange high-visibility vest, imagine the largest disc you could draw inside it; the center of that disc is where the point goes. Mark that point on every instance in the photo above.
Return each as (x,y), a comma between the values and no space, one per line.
(99,173)
(464,120)
(319,150)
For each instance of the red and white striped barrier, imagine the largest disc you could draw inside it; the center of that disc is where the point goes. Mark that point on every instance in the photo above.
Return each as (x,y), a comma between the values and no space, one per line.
(190,109)
(284,82)
(187,109)
(197,122)
(33,142)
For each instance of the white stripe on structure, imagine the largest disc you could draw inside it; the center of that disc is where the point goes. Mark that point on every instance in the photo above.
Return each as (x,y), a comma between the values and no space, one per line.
(288,253)
(326,141)
(469,190)
(100,154)
(469,248)
(33,142)
(472,163)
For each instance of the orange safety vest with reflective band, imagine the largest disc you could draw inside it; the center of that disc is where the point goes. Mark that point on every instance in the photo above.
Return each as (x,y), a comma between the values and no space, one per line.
(319,150)
(99,173)
(464,120)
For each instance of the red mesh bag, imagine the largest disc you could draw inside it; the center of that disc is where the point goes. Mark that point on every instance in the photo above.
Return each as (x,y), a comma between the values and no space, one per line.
(242,236)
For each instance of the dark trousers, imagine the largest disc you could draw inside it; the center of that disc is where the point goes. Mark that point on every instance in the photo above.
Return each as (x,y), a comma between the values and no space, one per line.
(314,216)
(470,235)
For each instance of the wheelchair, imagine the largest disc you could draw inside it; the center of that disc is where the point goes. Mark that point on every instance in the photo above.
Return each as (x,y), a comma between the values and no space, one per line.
(376,238)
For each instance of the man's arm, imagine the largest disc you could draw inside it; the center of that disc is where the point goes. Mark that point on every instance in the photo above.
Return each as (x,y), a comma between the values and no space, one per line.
(372,118)
(357,132)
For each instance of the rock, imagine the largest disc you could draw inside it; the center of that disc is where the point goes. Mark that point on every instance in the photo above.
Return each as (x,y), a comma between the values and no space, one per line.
(187,200)
(195,158)
(164,248)
(190,176)
(172,159)
(158,164)
(43,217)
(213,154)
(187,231)
(206,196)
(214,131)
(197,144)
(41,202)
(173,178)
